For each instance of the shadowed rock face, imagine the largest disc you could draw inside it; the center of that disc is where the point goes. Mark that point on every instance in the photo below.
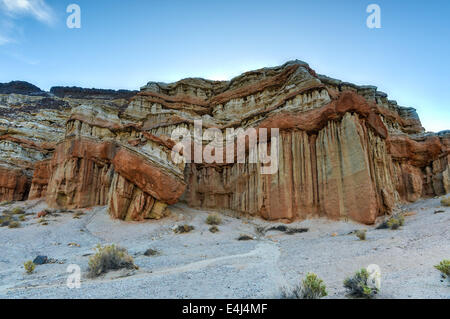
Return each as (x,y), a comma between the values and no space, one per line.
(345,151)
(19,87)
(81,93)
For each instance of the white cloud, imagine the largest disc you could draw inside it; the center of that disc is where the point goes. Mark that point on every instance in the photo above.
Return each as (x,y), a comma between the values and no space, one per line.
(4,40)
(36,8)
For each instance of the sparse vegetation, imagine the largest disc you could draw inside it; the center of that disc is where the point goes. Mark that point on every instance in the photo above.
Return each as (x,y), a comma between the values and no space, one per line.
(18,211)
(5,220)
(109,258)
(214,229)
(396,221)
(181,229)
(14,224)
(214,219)
(78,215)
(29,266)
(444,268)
(312,287)
(151,252)
(245,237)
(445,202)
(358,285)
(22,218)
(361,234)
(6,202)
(282,228)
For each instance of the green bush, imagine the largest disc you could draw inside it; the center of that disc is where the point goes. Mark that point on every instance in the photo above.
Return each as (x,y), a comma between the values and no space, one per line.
(214,219)
(183,229)
(444,268)
(445,202)
(151,252)
(361,234)
(6,202)
(29,266)
(109,258)
(396,221)
(14,224)
(214,229)
(312,287)
(358,285)
(18,211)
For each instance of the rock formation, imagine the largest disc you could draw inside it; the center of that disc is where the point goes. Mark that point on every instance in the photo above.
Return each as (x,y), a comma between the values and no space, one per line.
(344,151)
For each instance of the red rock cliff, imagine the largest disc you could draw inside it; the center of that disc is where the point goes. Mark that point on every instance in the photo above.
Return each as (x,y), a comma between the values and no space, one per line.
(344,151)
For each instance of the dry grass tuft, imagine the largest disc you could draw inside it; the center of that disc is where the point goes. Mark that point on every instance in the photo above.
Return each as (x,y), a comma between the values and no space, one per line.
(109,258)
(214,219)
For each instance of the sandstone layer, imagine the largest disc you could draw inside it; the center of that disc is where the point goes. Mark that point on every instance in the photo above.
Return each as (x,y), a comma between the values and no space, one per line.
(344,151)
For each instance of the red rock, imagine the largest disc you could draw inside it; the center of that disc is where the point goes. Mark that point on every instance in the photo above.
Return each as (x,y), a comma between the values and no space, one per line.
(14,184)
(40,180)
(42,214)
(346,151)
(148,177)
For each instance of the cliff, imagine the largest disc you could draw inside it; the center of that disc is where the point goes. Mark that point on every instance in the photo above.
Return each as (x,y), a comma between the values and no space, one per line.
(344,151)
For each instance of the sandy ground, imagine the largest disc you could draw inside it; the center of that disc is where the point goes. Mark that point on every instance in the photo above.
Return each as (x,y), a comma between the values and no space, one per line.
(205,265)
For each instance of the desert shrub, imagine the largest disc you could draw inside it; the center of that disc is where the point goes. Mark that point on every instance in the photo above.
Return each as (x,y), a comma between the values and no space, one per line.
(6,202)
(78,215)
(29,266)
(396,221)
(213,219)
(151,252)
(358,285)
(183,229)
(361,234)
(214,229)
(5,220)
(445,202)
(22,218)
(245,237)
(109,258)
(14,224)
(18,211)
(312,287)
(287,230)
(444,268)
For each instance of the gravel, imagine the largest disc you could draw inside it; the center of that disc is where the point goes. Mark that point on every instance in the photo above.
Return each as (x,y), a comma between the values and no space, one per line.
(200,264)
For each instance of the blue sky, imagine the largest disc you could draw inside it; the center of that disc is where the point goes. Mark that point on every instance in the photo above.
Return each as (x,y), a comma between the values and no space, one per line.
(125,44)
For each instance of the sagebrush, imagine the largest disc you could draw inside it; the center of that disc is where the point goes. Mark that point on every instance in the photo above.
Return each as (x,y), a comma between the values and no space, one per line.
(14,224)
(445,202)
(358,285)
(361,234)
(444,268)
(213,219)
(396,221)
(29,266)
(312,287)
(18,211)
(109,258)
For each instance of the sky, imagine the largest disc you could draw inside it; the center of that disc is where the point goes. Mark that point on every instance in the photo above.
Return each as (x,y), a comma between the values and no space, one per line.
(125,44)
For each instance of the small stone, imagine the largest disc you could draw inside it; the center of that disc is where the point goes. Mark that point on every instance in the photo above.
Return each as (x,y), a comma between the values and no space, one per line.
(40,260)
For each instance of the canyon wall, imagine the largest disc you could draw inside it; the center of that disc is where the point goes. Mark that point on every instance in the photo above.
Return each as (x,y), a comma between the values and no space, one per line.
(344,151)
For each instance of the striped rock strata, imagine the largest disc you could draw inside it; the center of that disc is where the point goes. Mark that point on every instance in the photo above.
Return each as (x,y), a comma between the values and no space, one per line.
(344,151)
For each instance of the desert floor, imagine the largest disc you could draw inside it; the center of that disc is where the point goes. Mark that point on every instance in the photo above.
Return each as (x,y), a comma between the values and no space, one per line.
(201,264)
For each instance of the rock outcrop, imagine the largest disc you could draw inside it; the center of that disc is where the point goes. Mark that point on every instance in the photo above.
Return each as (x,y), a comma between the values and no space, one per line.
(343,151)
